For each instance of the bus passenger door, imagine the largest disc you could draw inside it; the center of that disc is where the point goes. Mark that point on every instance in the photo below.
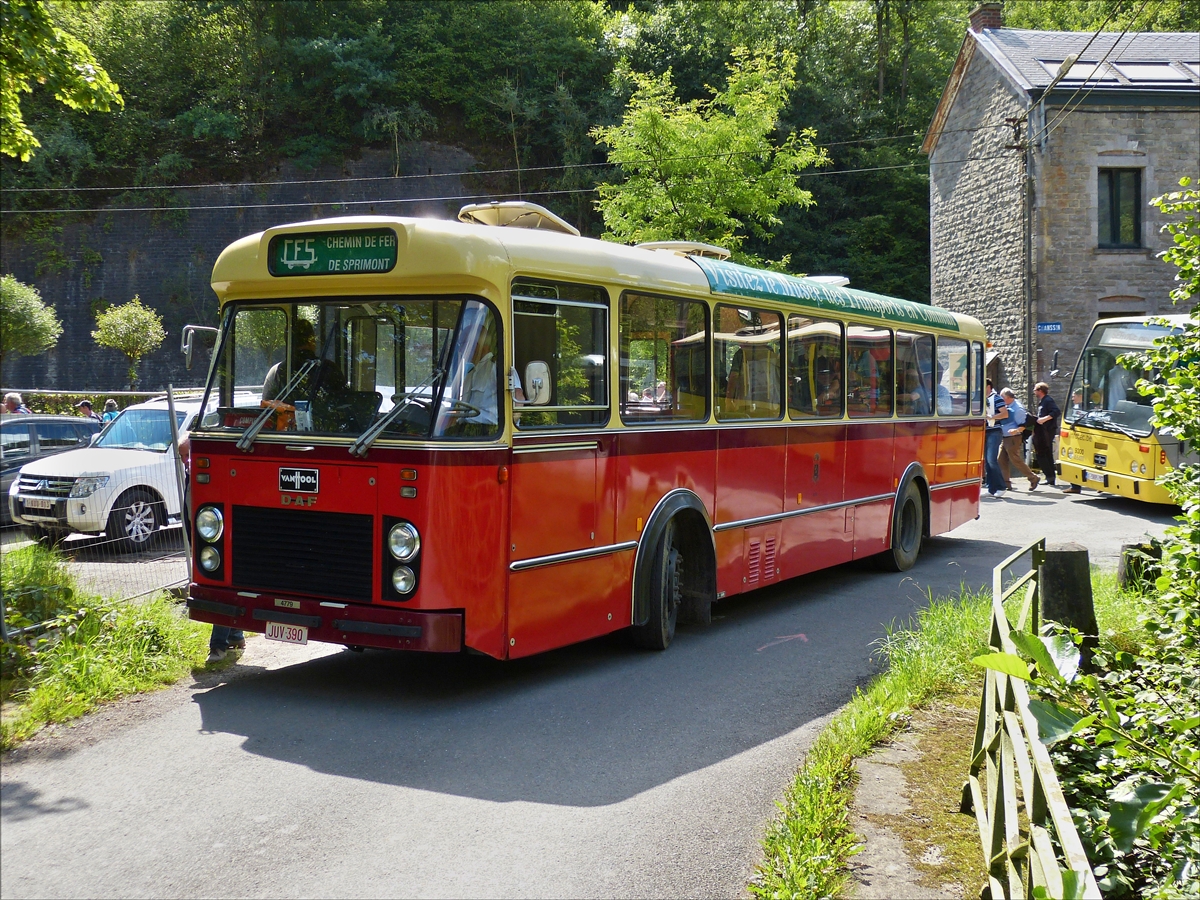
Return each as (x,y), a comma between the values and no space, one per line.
(558,593)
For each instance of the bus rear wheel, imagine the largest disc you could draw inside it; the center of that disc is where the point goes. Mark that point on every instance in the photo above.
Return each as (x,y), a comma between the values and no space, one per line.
(908,528)
(666,591)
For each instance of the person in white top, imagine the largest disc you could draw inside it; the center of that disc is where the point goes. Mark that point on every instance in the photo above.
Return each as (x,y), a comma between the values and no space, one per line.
(479,382)
(1120,381)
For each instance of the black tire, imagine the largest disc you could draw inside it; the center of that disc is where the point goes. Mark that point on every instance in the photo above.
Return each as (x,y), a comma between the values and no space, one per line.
(666,584)
(135,520)
(908,529)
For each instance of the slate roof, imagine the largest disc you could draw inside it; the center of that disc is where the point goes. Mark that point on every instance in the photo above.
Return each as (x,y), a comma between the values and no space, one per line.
(1022,53)
(1152,68)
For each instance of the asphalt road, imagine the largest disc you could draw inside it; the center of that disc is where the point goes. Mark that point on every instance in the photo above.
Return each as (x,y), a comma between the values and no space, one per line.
(596,770)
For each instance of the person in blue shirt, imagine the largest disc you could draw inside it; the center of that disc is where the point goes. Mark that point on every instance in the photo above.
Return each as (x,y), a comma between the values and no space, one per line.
(1012,444)
(994,479)
(110,411)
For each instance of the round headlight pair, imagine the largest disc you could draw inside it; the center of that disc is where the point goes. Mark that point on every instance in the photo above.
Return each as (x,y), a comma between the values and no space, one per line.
(210,559)
(209,523)
(404,543)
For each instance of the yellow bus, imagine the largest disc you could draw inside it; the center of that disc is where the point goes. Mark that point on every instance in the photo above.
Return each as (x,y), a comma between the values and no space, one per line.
(1107,442)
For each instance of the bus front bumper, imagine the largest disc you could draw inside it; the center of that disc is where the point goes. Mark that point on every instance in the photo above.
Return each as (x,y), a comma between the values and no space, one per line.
(334,623)
(1114,483)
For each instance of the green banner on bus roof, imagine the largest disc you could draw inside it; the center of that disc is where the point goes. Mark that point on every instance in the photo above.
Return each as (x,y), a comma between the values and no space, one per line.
(731,278)
(332,252)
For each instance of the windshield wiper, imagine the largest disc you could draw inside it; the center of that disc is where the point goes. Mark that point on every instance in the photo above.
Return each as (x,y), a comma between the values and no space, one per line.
(1099,418)
(246,441)
(367,438)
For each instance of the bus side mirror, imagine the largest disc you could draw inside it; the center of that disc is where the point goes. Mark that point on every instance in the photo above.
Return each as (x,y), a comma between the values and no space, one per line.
(537,383)
(186,342)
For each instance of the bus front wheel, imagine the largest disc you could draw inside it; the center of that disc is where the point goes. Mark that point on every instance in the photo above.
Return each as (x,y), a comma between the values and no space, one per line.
(908,527)
(666,590)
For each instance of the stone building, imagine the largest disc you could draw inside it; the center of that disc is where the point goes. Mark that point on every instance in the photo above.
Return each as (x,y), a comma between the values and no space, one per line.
(1044,152)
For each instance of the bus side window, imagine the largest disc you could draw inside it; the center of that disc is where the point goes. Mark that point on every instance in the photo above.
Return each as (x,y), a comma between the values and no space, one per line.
(868,371)
(664,359)
(977,379)
(746,352)
(572,339)
(815,384)
(914,374)
(951,383)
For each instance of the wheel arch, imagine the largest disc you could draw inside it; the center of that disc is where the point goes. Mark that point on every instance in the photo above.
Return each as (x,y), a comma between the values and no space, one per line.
(155,497)
(697,531)
(915,473)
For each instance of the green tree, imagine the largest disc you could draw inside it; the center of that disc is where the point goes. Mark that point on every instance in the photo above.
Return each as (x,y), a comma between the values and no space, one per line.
(27,325)
(34,49)
(133,329)
(706,169)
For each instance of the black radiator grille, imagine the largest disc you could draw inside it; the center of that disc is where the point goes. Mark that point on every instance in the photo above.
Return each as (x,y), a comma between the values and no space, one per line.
(322,553)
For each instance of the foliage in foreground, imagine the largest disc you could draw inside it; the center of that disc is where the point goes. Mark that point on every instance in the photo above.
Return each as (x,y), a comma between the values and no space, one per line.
(806,847)
(93,650)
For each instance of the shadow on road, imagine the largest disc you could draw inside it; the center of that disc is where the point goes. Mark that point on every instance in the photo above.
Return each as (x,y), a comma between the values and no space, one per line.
(599,722)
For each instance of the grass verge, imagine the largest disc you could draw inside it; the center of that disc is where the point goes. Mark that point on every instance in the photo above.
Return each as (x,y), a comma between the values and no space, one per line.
(806,847)
(95,651)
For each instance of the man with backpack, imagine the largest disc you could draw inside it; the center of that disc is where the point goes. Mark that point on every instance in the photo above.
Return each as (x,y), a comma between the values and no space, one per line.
(1012,444)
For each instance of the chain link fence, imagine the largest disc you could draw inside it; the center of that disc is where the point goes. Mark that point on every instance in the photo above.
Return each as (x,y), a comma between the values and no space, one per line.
(112,511)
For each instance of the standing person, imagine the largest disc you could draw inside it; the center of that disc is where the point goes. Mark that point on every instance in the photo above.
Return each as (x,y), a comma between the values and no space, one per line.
(1012,445)
(14,404)
(110,411)
(85,410)
(223,640)
(996,413)
(1043,432)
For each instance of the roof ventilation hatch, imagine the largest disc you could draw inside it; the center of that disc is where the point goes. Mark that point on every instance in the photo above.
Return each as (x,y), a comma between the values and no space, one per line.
(687,248)
(515,214)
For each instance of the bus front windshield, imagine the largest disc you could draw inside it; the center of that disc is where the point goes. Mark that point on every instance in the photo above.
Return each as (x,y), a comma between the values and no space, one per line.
(1103,391)
(423,367)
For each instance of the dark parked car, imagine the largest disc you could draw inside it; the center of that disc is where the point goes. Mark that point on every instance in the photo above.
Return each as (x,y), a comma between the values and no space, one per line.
(25,438)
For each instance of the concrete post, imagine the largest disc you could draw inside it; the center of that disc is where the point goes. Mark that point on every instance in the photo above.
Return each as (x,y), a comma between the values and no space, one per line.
(1065,586)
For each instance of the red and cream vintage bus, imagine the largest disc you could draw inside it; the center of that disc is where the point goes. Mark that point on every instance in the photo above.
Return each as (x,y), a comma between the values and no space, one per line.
(433,435)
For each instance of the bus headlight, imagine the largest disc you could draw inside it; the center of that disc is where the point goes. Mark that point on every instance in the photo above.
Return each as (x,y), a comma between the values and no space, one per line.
(210,559)
(210,523)
(1133,468)
(403,580)
(1143,468)
(404,543)
(1070,453)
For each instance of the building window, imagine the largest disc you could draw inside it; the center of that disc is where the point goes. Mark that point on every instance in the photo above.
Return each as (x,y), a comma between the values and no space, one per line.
(1120,207)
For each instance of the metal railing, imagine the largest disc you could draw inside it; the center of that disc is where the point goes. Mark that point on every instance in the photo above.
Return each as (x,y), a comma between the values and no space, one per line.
(1029,839)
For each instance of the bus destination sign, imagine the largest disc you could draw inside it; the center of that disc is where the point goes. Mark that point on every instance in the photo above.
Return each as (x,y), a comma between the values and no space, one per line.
(332,252)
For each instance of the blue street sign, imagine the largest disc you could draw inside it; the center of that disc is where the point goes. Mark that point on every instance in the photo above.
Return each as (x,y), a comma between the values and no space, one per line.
(1049,327)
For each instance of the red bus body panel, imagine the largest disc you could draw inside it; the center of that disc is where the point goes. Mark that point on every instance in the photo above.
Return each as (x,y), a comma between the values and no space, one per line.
(488,518)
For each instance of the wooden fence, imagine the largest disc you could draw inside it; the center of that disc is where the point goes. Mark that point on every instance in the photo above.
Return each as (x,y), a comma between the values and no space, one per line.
(1029,839)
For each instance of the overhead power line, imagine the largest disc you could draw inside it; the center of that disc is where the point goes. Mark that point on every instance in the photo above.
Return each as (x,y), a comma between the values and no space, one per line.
(445,199)
(476,173)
